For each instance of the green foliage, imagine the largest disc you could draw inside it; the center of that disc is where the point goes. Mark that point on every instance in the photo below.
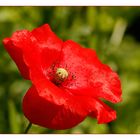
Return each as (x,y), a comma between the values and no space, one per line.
(100,28)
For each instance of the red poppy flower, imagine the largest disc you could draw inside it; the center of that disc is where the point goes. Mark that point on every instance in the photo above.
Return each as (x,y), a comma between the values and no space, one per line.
(67,79)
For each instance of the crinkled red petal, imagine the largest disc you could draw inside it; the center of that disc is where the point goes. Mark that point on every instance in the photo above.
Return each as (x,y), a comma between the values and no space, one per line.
(103,113)
(91,77)
(42,112)
(32,59)
(50,45)
(41,45)
(45,113)
(17,55)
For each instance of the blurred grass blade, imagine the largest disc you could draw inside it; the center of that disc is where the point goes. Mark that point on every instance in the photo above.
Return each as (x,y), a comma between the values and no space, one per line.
(118,32)
(13,118)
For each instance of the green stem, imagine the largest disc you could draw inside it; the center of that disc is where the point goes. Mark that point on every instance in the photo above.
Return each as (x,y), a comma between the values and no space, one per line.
(28,127)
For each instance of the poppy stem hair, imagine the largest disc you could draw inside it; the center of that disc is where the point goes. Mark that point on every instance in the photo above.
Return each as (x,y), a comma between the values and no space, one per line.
(28,127)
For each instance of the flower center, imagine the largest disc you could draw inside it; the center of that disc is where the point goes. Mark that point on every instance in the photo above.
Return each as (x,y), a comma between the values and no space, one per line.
(61,75)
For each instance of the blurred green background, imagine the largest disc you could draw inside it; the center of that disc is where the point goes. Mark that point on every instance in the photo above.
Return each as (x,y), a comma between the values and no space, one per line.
(114,32)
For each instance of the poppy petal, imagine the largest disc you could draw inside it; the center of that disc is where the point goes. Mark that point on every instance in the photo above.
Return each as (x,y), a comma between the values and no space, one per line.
(46,37)
(103,113)
(40,52)
(42,112)
(49,43)
(17,56)
(45,113)
(91,76)
(32,58)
